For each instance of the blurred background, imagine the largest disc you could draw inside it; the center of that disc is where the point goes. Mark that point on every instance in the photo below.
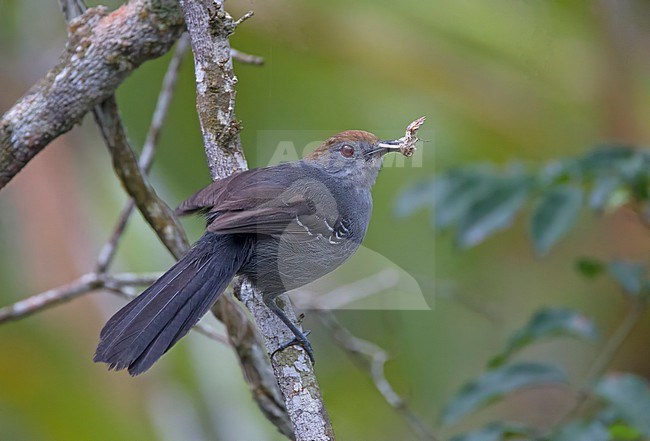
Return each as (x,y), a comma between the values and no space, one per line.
(498,81)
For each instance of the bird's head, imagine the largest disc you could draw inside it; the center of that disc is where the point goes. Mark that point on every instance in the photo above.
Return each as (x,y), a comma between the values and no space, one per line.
(353,156)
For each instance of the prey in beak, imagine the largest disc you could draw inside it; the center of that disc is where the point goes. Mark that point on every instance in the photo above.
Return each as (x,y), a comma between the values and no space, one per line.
(405,145)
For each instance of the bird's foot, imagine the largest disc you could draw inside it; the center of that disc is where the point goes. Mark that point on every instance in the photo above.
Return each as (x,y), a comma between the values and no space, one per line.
(299,340)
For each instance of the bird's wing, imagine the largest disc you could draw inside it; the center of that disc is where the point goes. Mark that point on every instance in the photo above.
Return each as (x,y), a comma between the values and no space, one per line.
(207,198)
(279,200)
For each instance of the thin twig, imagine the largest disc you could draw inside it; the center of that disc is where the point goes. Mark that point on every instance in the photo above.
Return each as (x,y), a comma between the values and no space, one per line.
(51,297)
(242,19)
(133,279)
(349,293)
(107,252)
(373,358)
(154,210)
(72,8)
(163,103)
(605,357)
(78,287)
(122,283)
(245,58)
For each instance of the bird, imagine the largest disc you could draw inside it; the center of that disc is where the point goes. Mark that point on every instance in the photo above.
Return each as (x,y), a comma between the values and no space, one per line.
(281,226)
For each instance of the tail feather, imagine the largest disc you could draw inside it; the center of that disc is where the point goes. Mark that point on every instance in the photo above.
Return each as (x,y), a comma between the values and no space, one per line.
(141,332)
(180,325)
(132,309)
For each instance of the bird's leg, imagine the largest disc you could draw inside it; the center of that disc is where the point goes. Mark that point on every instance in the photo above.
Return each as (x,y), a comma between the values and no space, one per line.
(300,337)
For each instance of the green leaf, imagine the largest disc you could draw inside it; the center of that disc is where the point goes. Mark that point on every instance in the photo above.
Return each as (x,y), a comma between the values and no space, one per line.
(606,157)
(605,188)
(632,168)
(421,195)
(495,384)
(496,431)
(493,211)
(619,198)
(558,171)
(461,189)
(630,396)
(590,267)
(579,431)
(554,215)
(621,432)
(640,184)
(547,323)
(629,275)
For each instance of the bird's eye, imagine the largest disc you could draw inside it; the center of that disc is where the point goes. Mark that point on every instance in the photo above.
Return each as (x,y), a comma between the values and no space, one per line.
(347,151)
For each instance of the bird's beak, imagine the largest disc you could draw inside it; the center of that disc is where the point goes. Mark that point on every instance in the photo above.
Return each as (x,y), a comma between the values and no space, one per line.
(383,147)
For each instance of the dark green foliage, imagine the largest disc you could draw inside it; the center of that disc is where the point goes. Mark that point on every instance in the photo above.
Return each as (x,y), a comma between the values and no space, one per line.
(478,201)
(495,210)
(459,191)
(628,274)
(553,216)
(629,397)
(546,323)
(603,191)
(590,267)
(581,431)
(496,383)
(481,200)
(496,431)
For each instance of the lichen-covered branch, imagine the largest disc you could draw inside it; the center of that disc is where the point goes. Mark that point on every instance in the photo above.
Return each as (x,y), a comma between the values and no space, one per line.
(210,26)
(133,177)
(258,373)
(103,48)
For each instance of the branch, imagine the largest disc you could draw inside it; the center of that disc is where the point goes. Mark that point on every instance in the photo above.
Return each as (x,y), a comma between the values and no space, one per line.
(366,354)
(49,298)
(119,283)
(258,373)
(155,211)
(637,307)
(264,389)
(210,26)
(246,58)
(102,50)
(146,157)
(340,297)
(83,285)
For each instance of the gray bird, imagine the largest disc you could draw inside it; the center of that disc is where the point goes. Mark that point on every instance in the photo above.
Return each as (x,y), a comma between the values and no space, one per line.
(281,226)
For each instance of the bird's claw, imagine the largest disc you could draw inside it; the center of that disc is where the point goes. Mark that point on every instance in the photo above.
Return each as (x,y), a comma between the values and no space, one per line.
(299,341)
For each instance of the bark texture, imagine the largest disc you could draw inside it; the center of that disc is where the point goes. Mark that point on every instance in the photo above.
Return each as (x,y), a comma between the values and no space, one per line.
(210,26)
(102,50)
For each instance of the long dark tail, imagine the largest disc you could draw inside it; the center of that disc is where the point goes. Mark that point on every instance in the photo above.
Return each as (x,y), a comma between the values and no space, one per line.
(142,331)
